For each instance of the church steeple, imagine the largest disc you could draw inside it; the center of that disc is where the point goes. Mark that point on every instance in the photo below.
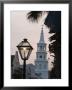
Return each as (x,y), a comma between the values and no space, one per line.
(41,63)
(41,36)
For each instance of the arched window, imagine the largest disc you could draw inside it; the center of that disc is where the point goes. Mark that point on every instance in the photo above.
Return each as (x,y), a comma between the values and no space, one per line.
(40,47)
(40,56)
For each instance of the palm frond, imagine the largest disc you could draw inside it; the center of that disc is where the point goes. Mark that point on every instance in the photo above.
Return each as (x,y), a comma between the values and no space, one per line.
(34,15)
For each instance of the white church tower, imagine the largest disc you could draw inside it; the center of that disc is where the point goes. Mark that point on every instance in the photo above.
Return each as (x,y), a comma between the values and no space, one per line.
(41,62)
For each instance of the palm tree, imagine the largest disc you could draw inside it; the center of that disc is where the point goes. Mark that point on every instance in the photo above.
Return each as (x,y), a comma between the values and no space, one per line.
(53,21)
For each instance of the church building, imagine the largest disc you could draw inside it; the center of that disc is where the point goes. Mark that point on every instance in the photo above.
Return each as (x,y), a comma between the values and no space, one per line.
(41,62)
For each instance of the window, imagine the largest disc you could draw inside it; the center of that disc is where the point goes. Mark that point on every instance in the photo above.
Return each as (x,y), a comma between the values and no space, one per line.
(40,56)
(41,47)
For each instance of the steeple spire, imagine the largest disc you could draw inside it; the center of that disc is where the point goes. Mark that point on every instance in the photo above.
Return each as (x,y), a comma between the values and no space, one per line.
(41,36)
(41,63)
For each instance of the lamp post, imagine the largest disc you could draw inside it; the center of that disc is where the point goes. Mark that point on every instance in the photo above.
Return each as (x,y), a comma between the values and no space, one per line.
(25,50)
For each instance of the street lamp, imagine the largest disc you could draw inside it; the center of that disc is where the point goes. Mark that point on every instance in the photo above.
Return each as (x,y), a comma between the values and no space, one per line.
(25,50)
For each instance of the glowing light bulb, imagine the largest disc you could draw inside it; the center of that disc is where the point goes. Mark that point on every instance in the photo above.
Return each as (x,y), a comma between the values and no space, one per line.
(24,49)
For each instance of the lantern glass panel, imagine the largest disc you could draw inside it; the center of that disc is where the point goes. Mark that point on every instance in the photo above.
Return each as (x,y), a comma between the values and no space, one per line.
(25,52)
(23,43)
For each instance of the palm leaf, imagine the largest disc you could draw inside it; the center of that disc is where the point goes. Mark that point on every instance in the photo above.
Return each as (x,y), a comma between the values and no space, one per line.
(34,15)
